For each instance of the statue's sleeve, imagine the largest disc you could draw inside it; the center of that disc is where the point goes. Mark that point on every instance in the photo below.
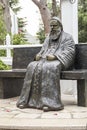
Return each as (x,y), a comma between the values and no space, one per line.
(66,53)
(44,46)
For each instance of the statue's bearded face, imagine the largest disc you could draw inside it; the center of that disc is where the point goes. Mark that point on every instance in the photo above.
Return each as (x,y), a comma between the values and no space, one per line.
(55,29)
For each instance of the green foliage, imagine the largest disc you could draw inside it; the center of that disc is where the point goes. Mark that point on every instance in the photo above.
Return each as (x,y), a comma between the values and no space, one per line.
(2,32)
(22,22)
(82,21)
(2,52)
(13,2)
(16,9)
(14,5)
(41,35)
(18,39)
(2,28)
(3,66)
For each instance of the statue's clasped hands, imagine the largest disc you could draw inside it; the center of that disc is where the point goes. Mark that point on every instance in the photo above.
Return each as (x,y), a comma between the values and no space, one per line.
(51,57)
(38,57)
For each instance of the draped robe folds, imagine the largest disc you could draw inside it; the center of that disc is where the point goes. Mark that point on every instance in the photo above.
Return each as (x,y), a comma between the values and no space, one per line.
(42,81)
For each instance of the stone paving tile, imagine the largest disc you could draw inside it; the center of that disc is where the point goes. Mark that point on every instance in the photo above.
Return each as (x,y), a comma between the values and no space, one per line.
(81,115)
(30,111)
(71,116)
(14,99)
(71,110)
(58,115)
(31,116)
(63,111)
(43,124)
(5,115)
(75,108)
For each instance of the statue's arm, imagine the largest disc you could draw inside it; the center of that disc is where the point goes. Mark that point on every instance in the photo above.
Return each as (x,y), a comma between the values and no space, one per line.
(44,46)
(66,53)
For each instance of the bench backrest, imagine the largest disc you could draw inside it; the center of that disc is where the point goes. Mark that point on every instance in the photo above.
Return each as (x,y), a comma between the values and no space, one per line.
(81,56)
(23,56)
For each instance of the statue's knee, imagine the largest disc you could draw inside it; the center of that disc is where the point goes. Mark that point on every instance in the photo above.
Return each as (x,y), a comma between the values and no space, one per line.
(30,65)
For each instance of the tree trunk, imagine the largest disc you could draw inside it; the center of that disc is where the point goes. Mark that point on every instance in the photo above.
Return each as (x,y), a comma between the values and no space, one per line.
(45,14)
(54,7)
(6,14)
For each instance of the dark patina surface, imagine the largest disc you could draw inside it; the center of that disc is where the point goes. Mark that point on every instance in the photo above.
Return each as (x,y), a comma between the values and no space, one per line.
(41,88)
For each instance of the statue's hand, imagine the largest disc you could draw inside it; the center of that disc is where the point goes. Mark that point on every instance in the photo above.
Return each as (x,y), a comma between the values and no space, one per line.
(38,57)
(51,57)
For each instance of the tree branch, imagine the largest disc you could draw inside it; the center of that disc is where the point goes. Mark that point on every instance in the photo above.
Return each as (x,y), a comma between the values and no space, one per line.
(37,3)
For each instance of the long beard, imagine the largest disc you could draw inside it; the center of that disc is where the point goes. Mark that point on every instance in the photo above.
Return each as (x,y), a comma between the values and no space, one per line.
(55,35)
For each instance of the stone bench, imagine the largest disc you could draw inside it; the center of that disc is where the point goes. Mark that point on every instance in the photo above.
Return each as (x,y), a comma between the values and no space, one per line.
(11,81)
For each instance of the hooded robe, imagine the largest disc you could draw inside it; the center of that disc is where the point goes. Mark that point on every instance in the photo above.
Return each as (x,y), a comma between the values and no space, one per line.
(42,81)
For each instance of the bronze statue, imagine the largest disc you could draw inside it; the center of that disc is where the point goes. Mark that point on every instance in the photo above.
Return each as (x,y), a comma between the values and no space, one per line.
(41,87)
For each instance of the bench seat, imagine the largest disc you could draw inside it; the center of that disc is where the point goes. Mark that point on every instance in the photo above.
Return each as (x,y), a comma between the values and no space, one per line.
(11,82)
(12,73)
(68,74)
(74,74)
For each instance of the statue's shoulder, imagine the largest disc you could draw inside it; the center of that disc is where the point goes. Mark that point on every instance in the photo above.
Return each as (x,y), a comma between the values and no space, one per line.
(46,39)
(67,35)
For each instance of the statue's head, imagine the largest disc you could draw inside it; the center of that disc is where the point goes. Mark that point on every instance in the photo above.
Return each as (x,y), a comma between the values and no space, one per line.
(56,28)
(56,22)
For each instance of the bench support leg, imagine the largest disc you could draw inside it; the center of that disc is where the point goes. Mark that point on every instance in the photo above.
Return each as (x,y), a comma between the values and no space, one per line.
(1,88)
(10,87)
(82,92)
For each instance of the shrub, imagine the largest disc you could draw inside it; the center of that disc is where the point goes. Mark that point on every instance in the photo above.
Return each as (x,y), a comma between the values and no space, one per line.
(2,52)
(41,35)
(18,39)
(3,66)
(2,28)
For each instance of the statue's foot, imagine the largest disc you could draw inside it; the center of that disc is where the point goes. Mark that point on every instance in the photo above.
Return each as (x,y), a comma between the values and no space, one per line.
(46,109)
(21,106)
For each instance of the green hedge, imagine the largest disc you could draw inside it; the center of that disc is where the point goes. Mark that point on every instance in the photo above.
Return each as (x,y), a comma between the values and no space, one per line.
(3,66)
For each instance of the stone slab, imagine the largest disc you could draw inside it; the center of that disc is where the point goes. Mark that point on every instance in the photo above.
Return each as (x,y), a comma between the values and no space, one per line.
(71,118)
(43,124)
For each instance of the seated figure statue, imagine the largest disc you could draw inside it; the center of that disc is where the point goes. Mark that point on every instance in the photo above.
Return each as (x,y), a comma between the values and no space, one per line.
(41,88)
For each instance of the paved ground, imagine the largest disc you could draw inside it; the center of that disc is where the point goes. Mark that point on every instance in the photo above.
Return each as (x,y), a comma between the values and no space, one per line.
(72,117)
